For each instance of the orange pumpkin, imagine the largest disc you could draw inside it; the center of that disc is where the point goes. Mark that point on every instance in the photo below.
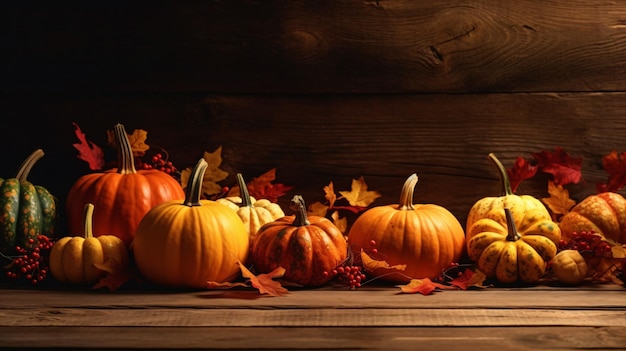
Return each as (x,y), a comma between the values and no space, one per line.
(187,243)
(426,238)
(122,195)
(307,247)
(604,213)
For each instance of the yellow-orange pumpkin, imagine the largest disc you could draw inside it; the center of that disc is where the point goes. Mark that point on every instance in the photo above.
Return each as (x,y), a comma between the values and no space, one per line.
(122,195)
(307,247)
(186,243)
(604,213)
(426,238)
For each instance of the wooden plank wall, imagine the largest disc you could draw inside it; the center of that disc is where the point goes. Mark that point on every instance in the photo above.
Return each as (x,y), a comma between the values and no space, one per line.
(322,90)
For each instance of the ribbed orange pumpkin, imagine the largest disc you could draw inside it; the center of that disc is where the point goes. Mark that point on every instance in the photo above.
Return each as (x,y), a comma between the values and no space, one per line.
(604,213)
(122,195)
(307,247)
(186,243)
(426,238)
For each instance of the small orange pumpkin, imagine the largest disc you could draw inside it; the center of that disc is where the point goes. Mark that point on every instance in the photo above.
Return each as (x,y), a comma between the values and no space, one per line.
(307,247)
(426,238)
(604,213)
(122,195)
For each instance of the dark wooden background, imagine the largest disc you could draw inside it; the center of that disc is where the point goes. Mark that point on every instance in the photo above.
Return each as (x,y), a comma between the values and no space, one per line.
(321,90)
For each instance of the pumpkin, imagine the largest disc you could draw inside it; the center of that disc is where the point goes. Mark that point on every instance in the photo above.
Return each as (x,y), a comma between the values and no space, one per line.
(569,267)
(427,238)
(604,213)
(73,259)
(254,213)
(515,203)
(307,247)
(513,247)
(186,243)
(26,210)
(122,195)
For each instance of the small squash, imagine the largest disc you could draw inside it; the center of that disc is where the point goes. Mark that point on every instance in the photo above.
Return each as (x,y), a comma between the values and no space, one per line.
(122,195)
(307,247)
(604,213)
(569,267)
(512,250)
(26,210)
(254,213)
(186,243)
(426,238)
(515,203)
(73,258)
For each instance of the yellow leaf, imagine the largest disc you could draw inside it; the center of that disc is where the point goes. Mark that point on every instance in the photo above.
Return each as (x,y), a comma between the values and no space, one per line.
(559,201)
(329,194)
(317,209)
(359,195)
(340,223)
(372,265)
(212,176)
(137,141)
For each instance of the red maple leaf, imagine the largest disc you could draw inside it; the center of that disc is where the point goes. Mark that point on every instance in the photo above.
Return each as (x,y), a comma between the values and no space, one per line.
(262,187)
(88,151)
(468,279)
(562,166)
(615,165)
(522,169)
(423,286)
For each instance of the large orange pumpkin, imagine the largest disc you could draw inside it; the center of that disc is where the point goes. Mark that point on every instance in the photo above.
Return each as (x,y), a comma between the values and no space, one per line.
(187,243)
(604,213)
(426,238)
(307,247)
(122,195)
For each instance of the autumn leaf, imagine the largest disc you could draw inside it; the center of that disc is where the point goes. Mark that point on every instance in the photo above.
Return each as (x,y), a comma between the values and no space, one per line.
(559,201)
(262,187)
(116,275)
(340,223)
(359,196)
(423,286)
(468,279)
(317,209)
(522,169)
(563,167)
(379,267)
(329,194)
(137,141)
(265,283)
(212,175)
(615,165)
(88,151)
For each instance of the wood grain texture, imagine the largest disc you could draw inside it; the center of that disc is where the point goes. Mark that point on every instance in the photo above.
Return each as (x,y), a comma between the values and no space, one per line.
(322,47)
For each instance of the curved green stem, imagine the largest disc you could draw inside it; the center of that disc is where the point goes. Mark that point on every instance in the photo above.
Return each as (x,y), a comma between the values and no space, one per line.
(125,158)
(193,191)
(504,177)
(88,221)
(512,234)
(406,195)
(28,164)
(300,207)
(243,192)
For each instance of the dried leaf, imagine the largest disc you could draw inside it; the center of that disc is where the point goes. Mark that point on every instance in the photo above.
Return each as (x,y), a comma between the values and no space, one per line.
(340,223)
(522,169)
(212,176)
(379,267)
(359,196)
(329,194)
(263,188)
(564,169)
(117,275)
(468,279)
(423,286)
(265,283)
(88,151)
(559,201)
(137,141)
(317,209)
(615,165)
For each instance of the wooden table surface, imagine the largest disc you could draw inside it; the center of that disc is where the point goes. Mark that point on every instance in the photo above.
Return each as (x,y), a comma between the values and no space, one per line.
(591,316)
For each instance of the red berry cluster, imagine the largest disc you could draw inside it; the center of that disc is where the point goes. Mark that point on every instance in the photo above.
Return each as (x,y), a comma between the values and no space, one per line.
(348,275)
(453,271)
(588,243)
(161,163)
(31,264)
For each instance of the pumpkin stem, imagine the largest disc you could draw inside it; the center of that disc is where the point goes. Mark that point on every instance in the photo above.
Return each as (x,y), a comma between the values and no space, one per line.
(406,195)
(88,220)
(512,234)
(504,176)
(243,192)
(125,158)
(28,164)
(300,207)
(193,192)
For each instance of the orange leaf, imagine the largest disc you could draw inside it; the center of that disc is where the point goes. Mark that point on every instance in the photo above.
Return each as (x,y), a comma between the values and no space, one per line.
(423,286)
(88,151)
(379,267)
(116,275)
(329,194)
(136,140)
(468,279)
(265,282)
(359,195)
(559,201)
(317,209)
(340,223)
(212,176)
